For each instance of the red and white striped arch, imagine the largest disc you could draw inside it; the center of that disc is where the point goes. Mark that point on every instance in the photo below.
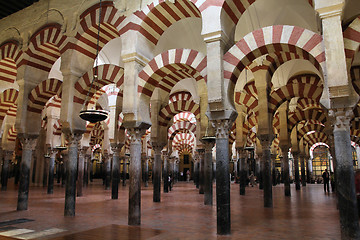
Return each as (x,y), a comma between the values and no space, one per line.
(57,128)
(317,145)
(269,40)
(245,99)
(89,21)
(315,137)
(107,74)
(181,126)
(8,100)
(185,116)
(39,96)
(170,67)
(311,114)
(12,134)
(55,102)
(303,86)
(10,57)
(160,15)
(179,96)
(185,149)
(309,128)
(352,41)
(234,9)
(45,47)
(168,112)
(355,78)
(306,103)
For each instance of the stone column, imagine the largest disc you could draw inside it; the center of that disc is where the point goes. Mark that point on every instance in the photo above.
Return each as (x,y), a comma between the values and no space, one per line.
(165,171)
(28,145)
(50,188)
(273,169)
(71,169)
(303,172)
(208,186)
(285,161)
(201,170)
(265,141)
(134,217)
(156,171)
(243,170)
(46,170)
(125,160)
(115,170)
(308,173)
(196,172)
(86,169)
(222,128)
(146,173)
(5,170)
(80,175)
(345,184)
(296,166)
(261,170)
(107,166)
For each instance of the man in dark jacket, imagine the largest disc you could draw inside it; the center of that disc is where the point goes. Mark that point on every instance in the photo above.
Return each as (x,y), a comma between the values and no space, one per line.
(326,178)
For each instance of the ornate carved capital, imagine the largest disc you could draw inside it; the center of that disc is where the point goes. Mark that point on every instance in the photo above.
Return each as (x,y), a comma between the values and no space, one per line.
(28,142)
(116,148)
(82,151)
(222,127)
(73,139)
(8,155)
(266,140)
(157,147)
(135,135)
(341,118)
(208,146)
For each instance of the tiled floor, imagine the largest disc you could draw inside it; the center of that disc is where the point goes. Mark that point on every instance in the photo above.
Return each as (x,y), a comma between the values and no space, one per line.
(307,214)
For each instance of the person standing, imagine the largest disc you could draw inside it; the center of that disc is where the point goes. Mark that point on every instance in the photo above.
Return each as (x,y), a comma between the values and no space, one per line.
(326,178)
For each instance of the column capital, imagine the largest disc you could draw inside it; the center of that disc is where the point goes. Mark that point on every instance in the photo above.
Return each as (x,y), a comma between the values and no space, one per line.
(341,118)
(136,134)
(116,148)
(208,146)
(28,141)
(157,147)
(222,127)
(266,140)
(327,8)
(8,154)
(73,138)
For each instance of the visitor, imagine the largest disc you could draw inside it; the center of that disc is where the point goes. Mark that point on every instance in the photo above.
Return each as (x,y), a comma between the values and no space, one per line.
(326,178)
(252,179)
(170,181)
(188,176)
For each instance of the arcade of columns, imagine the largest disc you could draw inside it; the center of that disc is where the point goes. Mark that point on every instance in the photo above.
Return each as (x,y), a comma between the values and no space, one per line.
(233,71)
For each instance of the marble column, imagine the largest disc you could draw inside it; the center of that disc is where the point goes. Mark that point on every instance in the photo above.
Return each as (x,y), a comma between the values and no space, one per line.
(273,169)
(115,170)
(125,165)
(86,169)
(208,185)
(146,173)
(303,172)
(71,169)
(345,184)
(28,145)
(46,170)
(134,217)
(296,168)
(261,171)
(80,175)
(285,161)
(50,187)
(107,166)
(243,170)
(156,172)
(196,172)
(5,170)
(308,173)
(222,128)
(201,170)
(265,141)
(165,171)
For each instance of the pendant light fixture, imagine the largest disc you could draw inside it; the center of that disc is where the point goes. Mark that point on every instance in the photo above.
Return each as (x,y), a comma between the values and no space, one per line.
(94,115)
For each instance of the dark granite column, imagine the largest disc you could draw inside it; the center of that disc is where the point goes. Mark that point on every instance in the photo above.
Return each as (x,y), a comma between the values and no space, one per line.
(86,169)
(146,173)
(208,186)
(80,175)
(201,170)
(107,166)
(265,141)
(308,173)
(115,170)
(303,175)
(71,170)
(285,160)
(222,128)
(50,187)
(156,171)
(28,145)
(5,170)
(134,217)
(296,168)
(46,170)
(273,169)
(242,170)
(196,171)
(261,171)
(345,182)
(125,165)
(165,171)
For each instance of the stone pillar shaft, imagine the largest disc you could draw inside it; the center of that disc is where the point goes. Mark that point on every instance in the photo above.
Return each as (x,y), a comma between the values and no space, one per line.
(157,173)
(296,166)
(303,172)
(80,175)
(28,145)
(286,170)
(266,159)
(208,186)
(107,164)
(115,171)
(201,170)
(50,188)
(5,170)
(165,173)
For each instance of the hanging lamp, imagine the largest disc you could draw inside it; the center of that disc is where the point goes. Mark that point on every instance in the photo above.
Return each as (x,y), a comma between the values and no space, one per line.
(94,115)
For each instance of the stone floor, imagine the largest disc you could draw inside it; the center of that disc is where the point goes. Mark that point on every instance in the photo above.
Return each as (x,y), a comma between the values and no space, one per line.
(307,214)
